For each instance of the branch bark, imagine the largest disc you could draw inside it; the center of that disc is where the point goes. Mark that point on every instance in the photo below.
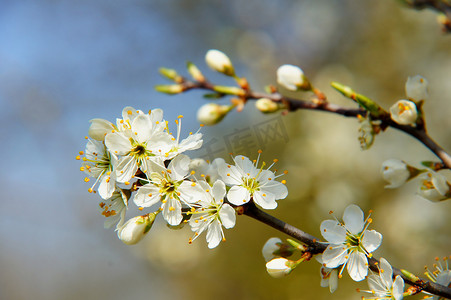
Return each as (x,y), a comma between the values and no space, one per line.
(315,246)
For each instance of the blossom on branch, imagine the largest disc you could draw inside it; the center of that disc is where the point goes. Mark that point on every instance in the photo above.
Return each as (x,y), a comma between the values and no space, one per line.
(247,181)
(100,164)
(404,112)
(219,62)
(396,172)
(292,78)
(168,186)
(329,277)
(211,213)
(350,243)
(383,286)
(434,187)
(441,275)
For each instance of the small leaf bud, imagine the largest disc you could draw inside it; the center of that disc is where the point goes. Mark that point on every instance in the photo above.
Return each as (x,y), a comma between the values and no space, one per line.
(266,106)
(170,89)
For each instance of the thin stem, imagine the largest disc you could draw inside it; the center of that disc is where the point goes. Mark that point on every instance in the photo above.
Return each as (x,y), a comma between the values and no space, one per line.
(315,247)
(296,104)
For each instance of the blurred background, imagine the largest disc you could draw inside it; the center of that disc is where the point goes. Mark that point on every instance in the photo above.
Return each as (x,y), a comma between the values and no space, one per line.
(65,62)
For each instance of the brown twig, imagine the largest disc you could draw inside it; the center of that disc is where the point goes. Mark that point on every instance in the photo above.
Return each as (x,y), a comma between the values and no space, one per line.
(297,104)
(316,247)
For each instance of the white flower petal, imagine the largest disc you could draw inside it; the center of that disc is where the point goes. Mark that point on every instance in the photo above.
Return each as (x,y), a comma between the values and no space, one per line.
(214,234)
(398,288)
(371,240)
(278,189)
(179,167)
(375,283)
(357,266)
(270,247)
(334,256)
(126,168)
(172,211)
(386,273)
(118,143)
(100,128)
(147,195)
(227,216)
(142,128)
(229,174)
(265,200)
(238,195)
(246,165)
(218,191)
(353,219)
(333,232)
(107,186)
(192,192)
(333,280)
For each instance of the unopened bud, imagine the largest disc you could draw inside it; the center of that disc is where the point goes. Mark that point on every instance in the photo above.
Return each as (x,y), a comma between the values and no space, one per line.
(136,228)
(292,78)
(212,113)
(229,90)
(404,112)
(219,62)
(171,74)
(195,72)
(99,128)
(169,88)
(279,267)
(417,88)
(266,105)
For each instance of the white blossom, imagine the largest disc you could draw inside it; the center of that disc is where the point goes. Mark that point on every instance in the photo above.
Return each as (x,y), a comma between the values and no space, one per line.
(192,142)
(417,88)
(211,213)
(329,277)
(292,78)
(143,142)
(100,164)
(350,243)
(434,187)
(219,62)
(383,286)
(114,208)
(404,112)
(168,186)
(441,274)
(395,172)
(247,181)
(201,169)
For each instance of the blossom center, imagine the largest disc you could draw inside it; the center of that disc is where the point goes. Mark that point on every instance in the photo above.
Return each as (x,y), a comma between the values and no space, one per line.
(251,184)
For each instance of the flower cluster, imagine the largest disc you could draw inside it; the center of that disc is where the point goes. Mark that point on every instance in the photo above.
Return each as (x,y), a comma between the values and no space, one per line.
(432,186)
(138,158)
